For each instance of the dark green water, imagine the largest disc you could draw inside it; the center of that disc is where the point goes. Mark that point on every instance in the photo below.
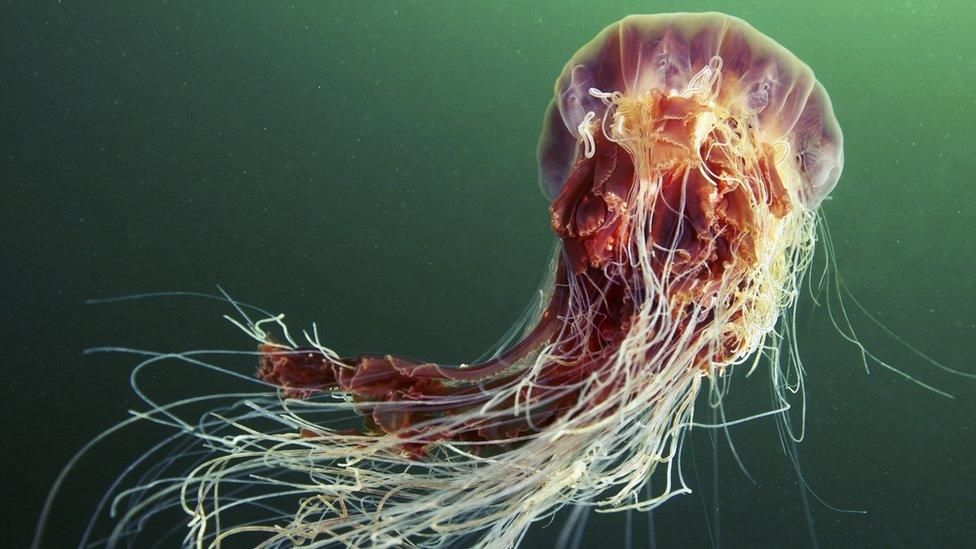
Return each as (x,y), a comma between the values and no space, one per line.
(371,167)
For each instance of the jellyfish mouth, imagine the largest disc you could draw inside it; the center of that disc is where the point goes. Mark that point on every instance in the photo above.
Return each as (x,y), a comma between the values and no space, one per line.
(702,170)
(680,185)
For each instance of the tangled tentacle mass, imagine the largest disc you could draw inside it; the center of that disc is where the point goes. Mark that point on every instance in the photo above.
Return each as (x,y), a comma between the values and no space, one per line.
(677,155)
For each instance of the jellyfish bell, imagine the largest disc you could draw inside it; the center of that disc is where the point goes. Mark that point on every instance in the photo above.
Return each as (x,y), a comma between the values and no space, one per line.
(735,72)
(685,156)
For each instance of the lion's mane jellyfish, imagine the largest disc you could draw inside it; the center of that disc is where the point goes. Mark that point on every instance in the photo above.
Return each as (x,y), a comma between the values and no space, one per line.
(685,156)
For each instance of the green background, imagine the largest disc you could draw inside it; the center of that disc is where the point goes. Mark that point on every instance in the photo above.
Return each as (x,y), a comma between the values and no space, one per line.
(371,166)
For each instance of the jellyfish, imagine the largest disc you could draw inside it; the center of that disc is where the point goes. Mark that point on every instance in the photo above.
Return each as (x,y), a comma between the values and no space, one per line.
(685,157)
